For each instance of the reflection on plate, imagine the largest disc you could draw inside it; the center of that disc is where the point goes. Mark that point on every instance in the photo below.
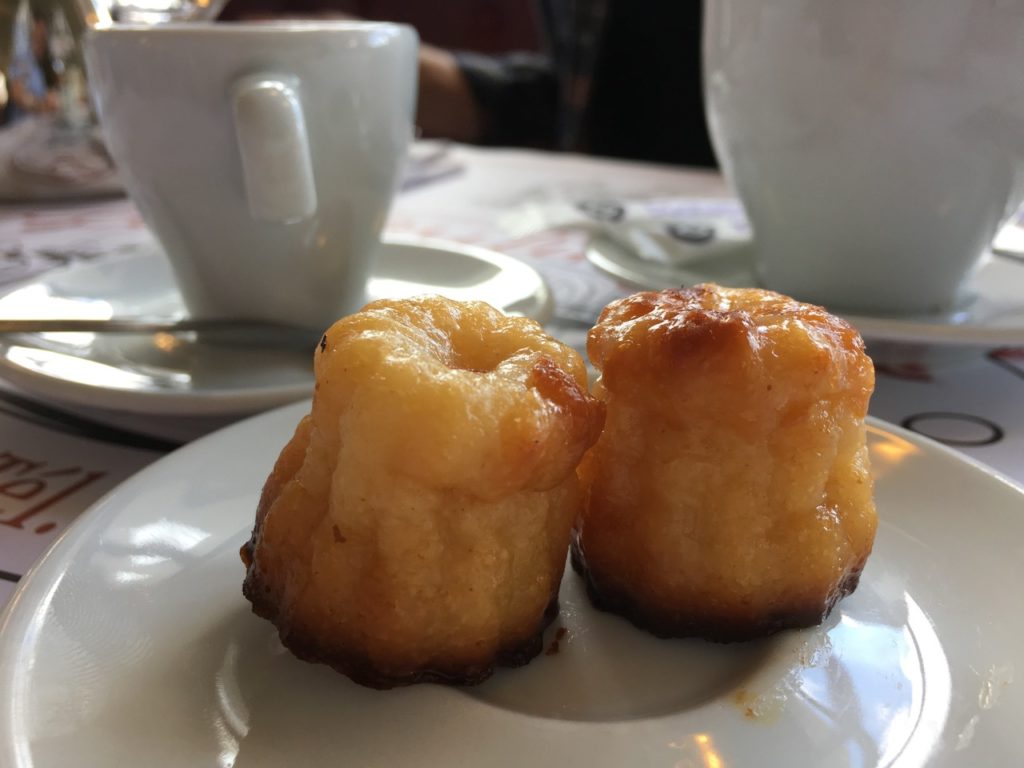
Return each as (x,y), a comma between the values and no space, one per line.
(992,314)
(163,374)
(131,644)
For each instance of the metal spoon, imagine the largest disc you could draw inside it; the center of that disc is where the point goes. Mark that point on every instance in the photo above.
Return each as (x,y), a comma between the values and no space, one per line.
(263,332)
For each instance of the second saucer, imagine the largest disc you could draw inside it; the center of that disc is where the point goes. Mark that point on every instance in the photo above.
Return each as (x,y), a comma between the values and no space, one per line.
(175,375)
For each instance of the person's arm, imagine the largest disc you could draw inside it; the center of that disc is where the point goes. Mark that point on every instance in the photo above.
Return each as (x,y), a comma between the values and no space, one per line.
(469,97)
(516,96)
(446,107)
(510,99)
(27,101)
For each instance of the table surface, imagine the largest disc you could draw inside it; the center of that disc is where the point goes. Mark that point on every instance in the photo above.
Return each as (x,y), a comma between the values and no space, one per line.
(54,462)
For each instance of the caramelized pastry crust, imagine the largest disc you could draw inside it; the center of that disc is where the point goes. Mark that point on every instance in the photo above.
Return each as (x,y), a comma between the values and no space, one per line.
(730,494)
(415,527)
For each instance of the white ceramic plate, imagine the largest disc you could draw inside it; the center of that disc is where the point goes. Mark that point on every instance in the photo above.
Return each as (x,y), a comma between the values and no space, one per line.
(131,644)
(991,314)
(159,374)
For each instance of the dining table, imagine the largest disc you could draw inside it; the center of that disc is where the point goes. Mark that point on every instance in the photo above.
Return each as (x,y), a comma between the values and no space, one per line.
(59,456)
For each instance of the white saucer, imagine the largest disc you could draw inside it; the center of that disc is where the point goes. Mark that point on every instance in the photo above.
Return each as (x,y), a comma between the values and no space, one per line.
(175,375)
(131,644)
(993,313)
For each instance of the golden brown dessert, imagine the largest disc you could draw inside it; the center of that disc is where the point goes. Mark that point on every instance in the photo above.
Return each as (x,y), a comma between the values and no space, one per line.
(415,527)
(730,494)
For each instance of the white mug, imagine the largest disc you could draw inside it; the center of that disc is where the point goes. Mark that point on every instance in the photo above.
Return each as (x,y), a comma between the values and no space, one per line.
(877,145)
(263,156)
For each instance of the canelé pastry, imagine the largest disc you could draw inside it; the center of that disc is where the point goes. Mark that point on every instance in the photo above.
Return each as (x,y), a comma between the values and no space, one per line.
(729,495)
(415,527)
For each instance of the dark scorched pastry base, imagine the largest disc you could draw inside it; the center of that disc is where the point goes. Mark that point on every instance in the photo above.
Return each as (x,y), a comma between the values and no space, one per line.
(360,669)
(714,628)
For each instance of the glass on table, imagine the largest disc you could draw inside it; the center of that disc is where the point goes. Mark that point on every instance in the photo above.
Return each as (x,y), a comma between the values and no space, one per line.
(159,11)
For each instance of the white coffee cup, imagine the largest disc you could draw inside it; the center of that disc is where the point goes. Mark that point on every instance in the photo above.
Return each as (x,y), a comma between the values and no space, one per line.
(877,145)
(263,156)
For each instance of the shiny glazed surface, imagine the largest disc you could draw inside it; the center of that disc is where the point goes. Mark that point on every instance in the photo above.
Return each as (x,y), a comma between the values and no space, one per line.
(416,524)
(730,493)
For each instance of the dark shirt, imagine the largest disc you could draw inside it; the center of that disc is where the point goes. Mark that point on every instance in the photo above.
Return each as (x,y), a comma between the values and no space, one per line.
(621,78)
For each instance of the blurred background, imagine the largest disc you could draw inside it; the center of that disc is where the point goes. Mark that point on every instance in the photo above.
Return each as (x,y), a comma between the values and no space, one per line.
(617,78)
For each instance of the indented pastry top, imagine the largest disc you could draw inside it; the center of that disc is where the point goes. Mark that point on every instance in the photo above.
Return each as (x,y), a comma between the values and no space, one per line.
(449,338)
(668,331)
(474,371)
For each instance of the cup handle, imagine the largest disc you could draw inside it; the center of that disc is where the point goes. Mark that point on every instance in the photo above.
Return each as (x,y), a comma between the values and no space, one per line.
(274,148)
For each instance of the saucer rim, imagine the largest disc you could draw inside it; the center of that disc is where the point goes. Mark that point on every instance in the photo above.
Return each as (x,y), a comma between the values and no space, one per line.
(911,329)
(217,402)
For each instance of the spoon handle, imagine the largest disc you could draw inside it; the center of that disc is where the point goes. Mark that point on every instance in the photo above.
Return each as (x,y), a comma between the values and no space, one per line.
(139,325)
